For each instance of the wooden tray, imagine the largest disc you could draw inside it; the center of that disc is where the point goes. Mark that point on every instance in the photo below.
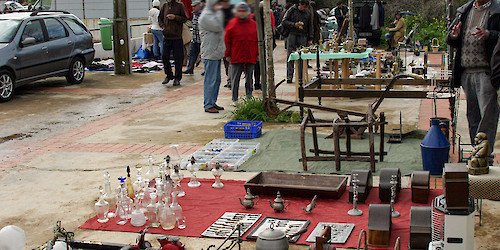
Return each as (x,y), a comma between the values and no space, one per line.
(295,184)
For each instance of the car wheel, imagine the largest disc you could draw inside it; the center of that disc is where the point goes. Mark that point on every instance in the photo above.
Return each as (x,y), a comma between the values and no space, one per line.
(6,86)
(76,71)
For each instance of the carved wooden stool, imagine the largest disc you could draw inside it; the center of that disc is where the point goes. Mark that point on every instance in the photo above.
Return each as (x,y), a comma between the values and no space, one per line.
(385,183)
(379,225)
(420,186)
(365,185)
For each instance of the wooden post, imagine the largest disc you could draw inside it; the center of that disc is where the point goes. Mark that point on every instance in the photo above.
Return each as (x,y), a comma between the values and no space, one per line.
(331,68)
(305,72)
(262,51)
(297,78)
(121,38)
(378,73)
(268,36)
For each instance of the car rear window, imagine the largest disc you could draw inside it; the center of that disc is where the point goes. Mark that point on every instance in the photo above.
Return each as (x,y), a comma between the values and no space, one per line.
(55,29)
(8,29)
(75,25)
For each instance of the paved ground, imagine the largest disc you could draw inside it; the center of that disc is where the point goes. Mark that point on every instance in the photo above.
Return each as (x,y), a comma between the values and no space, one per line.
(57,140)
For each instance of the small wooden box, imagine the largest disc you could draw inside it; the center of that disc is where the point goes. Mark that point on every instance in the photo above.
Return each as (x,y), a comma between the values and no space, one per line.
(379,225)
(385,183)
(420,227)
(365,185)
(456,186)
(420,186)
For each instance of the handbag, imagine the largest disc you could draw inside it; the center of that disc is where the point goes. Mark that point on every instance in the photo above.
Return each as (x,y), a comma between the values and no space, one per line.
(187,36)
(282,30)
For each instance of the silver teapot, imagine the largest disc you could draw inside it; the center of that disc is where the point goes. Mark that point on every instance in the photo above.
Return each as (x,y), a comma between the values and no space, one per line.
(279,203)
(248,202)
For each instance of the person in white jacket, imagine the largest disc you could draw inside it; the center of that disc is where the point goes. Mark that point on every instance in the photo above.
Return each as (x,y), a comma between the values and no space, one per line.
(156,30)
(212,51)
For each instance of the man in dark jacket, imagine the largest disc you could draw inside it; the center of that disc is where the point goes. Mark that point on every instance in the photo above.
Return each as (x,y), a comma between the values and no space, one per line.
(340,13)
(473,34)
(171,19)
(298,19)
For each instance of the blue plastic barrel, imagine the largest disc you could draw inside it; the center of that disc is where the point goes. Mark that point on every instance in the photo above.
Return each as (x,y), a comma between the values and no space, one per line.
(435,149)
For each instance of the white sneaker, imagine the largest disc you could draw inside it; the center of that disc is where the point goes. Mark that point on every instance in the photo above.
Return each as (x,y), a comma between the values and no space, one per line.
(235,103)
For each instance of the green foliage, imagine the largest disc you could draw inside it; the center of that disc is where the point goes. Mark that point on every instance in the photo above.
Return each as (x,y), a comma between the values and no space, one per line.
(253,110)
(428,29)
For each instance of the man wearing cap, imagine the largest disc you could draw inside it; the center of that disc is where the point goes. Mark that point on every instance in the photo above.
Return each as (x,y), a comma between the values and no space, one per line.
(397,33)
(171,18)
(241,48)
(194,48)
(212,51)
(156,30)
(298,19)
(474,34)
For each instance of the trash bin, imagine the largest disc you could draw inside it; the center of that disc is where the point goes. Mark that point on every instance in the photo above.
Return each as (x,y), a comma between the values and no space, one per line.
(435,149)
(106,28)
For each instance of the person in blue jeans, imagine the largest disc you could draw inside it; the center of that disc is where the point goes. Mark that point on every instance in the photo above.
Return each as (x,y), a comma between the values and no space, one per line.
(212,51)
(156,30)
(194,48)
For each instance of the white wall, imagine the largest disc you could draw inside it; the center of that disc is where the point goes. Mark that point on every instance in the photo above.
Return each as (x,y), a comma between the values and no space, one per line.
(90,9)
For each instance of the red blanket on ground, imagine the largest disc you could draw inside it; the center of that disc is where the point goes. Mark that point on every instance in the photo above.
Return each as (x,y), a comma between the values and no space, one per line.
(204,205)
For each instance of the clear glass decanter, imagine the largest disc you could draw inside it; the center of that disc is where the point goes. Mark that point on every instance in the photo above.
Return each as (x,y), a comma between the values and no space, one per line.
(138,218)
(102,207)
(153,211)
(122,216)
(150,174)
(166,216)
(138,182)
(176,208)
(108,194)
(192,167)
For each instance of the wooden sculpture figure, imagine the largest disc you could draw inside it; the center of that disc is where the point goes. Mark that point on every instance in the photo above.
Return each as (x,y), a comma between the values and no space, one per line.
(479,157)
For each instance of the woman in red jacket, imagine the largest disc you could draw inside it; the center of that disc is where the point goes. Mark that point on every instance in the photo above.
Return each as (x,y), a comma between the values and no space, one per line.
(241,48)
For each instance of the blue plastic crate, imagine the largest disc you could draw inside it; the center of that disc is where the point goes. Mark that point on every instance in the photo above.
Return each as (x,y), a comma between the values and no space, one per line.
(243,129)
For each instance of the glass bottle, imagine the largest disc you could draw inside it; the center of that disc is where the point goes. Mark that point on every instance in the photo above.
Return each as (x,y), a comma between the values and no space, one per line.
(120,209)
(138,219)
(177,178)
(166,166)
(217,172)
(192,167)
(108,194)
(150,174)
(153,211)
(102,207)
(138,181)
(127,203)
(176,208)
(130,188)
(166,216)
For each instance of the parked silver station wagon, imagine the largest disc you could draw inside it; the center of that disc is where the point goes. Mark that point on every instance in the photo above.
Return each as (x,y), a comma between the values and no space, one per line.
(41,44)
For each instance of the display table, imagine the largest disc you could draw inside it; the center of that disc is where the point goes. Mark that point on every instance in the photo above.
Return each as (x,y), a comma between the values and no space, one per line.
(485,186)
(334,64)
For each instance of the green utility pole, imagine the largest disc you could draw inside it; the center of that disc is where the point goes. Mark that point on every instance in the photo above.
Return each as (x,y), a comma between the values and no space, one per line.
(121,38)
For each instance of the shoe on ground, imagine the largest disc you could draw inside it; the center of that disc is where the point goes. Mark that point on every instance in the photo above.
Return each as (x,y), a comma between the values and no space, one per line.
(289,81)
(177,82)
(166,81)
(218,107)
(227,85)
(202,73)
(235,103)
(187,72)
(212,110)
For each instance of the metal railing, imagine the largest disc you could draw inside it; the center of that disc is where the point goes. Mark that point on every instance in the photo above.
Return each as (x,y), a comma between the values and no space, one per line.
(131,26)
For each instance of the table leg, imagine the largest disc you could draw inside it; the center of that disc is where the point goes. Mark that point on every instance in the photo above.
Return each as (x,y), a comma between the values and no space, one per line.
(336,143)
(296,80)
(378,73)
(306,72)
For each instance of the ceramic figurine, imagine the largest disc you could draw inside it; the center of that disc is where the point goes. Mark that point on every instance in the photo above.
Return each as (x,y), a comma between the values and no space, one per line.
(311,205)
(217,172)
(479,157)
